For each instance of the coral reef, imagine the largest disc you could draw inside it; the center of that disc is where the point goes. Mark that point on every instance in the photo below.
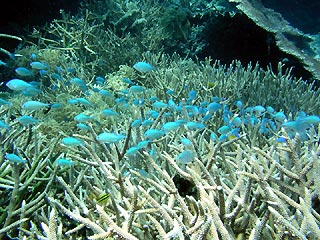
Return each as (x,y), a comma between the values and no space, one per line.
(92,148)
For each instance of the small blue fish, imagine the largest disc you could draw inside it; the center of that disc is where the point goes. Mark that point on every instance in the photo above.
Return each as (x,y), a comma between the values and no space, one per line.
(77,81)
(132,151)
(153,98)
(186,142)
(279,116)
(73,101)
(147,122)
(33,56)
(64,162)
(14,158)
(224,129)
(106,137)
(18,85)
(43,72)
(143,67)
(185,157)
(195,125)
(138,102)
(236,122)
(56,105)
(4,102)
(171,103)
(137,89)
(100,80)
(136,123)
(170,92)
(192,110)
(170,126)
(30,92)
(192,95)
(56,76)
(223,138)
(144,173)
(84,101)
(127,81)
(239,104)
(23,72)
(143,144)
(109,113)
(105,93)
(34,105)
(159,104)
(80,83)
(281,140)
(214,107)
(27,120)
(152,134)
(153,113)
(213,137)
(81,118)
(72,141)
(38,66)
(259,109)
(83,126)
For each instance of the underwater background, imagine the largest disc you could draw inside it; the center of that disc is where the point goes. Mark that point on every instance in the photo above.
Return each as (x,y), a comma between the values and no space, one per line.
(169,119)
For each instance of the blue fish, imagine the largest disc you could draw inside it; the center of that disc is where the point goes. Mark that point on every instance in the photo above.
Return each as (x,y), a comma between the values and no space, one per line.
(137,89)
(159,104)
(34,105)
(105,93)
(109,113)
(153,134)
(106,137)
(185,157)
(14,158)
(132,151)
(72,141)
(81,118)
(195,125)
(147,122)
(143,67)
(127,81)
(192,95)
(80,83)
(64,162)
(38,65)
(170,126)
(4,102)
(18,85)
(186,142)
(83,126)
(23,72)
(136,123)
(214,107)
(26,120)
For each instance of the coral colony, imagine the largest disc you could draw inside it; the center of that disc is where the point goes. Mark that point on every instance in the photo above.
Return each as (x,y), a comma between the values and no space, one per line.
(157,147)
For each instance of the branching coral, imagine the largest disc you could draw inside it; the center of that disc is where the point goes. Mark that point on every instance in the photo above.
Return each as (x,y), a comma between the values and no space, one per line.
(248,186)
(187,150)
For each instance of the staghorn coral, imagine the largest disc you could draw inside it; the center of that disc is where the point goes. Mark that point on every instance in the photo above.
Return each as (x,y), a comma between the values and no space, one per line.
(245,187)
(258,182)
